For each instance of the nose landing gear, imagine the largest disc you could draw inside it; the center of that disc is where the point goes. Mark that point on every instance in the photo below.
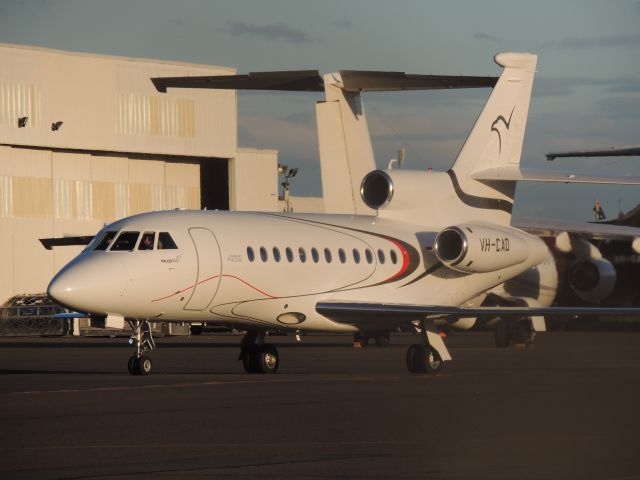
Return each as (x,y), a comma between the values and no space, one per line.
(143,340)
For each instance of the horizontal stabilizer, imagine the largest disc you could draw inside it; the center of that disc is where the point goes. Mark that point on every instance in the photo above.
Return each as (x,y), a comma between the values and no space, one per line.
(551,228)
(514,174)
(311,81)
(295,81)
(607,152)
(49,243)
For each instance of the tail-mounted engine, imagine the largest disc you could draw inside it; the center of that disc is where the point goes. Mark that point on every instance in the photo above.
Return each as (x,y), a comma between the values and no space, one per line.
(480,248)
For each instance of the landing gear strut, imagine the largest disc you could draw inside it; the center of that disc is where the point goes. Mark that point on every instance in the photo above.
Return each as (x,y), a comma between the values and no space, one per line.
(257,356)
(143,340)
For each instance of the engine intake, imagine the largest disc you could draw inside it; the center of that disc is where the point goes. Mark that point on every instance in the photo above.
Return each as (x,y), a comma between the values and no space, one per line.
(376,189)
(592,280)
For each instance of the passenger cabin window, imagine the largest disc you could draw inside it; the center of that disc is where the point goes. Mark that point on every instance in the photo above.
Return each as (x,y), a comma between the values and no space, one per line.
(250,254)
(356,255)
(276,254)
(148,239)
(394,256)
(381,257)
(263,254)
(314,255)
(368,255)
(105,241)
(327,255)
(165,242)
(342,256)
(302,254)
(126,241)
(289,254)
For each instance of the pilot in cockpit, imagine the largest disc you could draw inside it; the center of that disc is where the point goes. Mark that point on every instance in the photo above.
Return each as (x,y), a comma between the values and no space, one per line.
(147,241)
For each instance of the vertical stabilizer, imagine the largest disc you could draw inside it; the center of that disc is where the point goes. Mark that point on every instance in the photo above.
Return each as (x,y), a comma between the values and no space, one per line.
(346,154)
(497,136)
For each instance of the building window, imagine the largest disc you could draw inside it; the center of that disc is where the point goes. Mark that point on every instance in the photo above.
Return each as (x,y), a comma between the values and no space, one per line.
(250,254)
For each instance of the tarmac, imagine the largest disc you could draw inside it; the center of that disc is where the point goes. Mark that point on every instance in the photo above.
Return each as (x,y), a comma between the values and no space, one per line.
(567,407)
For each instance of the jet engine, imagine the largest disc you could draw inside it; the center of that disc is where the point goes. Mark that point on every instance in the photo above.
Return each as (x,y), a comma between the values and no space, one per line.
(482,248)
(592,280)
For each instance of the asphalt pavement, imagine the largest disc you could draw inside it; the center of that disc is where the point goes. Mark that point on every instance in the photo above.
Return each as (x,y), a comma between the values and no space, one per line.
(567,407)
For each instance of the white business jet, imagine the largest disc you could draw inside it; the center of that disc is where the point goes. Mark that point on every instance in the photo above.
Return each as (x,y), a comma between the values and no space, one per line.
(436,242)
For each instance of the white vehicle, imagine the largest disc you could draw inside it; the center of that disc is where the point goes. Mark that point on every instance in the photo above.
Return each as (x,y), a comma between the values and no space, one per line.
(437,243)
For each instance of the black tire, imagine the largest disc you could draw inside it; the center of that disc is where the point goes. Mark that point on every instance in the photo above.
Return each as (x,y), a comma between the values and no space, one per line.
(249,358)
(267,359)
(501,334)
(196,329)
(144,366)
(133,365)
(423,359)
(413,364)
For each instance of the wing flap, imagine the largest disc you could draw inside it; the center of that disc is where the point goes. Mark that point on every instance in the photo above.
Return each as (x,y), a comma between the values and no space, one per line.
(597,231)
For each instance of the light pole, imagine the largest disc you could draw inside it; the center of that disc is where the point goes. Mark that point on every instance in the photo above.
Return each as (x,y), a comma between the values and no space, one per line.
(288,173)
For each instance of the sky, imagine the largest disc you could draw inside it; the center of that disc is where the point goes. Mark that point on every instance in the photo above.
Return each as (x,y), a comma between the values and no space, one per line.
(586,93)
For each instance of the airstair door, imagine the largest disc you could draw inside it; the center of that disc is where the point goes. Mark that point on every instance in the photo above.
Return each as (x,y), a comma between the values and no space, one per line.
(209,269)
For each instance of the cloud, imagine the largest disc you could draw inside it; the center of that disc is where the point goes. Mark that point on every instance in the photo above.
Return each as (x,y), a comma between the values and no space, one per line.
(276,31)
(484,36)
(595,42)
(344,24)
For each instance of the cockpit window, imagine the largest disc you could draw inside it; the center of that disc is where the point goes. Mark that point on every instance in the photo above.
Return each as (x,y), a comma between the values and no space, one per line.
(165,242)
(147,241)
(105,241)
(125,242)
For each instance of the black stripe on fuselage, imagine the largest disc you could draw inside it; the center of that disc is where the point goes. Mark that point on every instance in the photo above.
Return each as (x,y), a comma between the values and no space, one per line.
(479,202)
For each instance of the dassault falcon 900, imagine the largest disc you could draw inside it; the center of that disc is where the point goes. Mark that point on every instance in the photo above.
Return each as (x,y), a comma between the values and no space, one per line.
(404,265)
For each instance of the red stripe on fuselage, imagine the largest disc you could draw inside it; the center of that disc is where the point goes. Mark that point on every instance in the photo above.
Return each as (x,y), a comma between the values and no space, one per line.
(211,278)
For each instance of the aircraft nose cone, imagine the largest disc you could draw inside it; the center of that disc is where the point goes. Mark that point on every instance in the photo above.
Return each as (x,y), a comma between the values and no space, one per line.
(90,285)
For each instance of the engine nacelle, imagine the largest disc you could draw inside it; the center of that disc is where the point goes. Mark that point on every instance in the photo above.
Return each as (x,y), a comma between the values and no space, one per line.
(480,248)
(592,280)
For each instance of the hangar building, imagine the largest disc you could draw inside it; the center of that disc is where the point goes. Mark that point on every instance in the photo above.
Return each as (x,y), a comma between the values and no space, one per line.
(86,139)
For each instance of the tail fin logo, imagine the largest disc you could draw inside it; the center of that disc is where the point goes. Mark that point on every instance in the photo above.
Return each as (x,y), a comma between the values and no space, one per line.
(507,124)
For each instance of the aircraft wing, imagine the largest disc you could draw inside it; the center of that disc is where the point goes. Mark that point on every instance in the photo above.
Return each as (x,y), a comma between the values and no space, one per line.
(387,316)
(598,231)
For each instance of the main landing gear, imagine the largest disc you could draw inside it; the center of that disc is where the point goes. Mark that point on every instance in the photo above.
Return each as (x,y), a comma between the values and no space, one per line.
(257,356)
(428,356)
(143,340)
(516,330)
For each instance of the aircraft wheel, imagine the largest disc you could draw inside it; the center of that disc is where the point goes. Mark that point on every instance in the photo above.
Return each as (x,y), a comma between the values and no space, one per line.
(132,365)
(423,359)
(267,359)
(143,366)
(249,358)
(382,340)
(196,329)
(501,334)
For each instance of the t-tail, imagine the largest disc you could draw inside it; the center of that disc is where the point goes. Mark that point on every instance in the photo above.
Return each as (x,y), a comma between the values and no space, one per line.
(496,139)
